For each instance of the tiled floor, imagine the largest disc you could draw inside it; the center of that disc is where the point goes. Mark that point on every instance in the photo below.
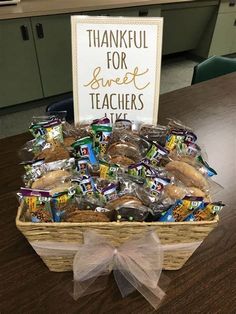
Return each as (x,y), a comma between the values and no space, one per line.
(176,73)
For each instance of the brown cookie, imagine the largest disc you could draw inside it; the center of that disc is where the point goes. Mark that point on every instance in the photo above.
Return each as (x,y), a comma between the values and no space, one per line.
(178,192)
(122,160)
(69,140)
(53,153)
(86,216)
(125,150)
(175,192)
(187,174)
(50,179)
(123,200)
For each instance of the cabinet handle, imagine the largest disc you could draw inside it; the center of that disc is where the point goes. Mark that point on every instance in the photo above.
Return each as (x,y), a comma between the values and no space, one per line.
(24,32)
(231,3)
(143,13)
(39,30)
(234,22)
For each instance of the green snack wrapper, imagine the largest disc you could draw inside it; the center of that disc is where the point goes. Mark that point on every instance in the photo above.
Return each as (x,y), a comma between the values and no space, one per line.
(102,137)
(108,171)
(84,148)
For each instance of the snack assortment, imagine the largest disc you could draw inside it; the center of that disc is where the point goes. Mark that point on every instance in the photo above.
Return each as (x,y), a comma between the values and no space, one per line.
(98,172)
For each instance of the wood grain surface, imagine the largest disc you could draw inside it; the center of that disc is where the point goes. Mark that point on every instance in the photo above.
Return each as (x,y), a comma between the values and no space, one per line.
(206,283)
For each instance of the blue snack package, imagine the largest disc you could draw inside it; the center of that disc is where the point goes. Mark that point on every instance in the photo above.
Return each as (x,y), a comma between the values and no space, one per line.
(207,212)
(58,205)
(182,209)
(84,148)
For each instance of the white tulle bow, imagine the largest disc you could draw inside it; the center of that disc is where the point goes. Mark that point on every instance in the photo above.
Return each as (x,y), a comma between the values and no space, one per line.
(136,264)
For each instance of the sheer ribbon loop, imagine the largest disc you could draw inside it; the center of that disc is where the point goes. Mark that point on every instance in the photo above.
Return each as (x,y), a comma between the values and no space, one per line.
(136,264)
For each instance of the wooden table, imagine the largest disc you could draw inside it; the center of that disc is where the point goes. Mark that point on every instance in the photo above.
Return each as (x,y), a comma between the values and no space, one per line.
(207,282)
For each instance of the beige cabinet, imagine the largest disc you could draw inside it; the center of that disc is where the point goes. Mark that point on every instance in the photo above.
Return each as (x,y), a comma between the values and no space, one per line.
(185,24)
(19,75)
(35,58)
(52,36)
(224,37)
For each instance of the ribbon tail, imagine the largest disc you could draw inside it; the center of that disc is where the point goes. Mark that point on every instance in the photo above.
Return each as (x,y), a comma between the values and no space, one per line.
(123,284)
(91,265)
(90,286)
(153,295)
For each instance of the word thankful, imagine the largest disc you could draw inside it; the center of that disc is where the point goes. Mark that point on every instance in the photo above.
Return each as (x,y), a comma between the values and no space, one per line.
(117,39)
(129,78)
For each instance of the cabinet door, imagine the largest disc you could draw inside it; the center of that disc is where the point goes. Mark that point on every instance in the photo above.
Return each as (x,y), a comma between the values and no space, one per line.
(184,25)
(19,75)
(223,40)
(53,44)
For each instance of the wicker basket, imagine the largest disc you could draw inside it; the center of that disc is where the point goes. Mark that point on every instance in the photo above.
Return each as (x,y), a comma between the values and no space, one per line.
(117,233)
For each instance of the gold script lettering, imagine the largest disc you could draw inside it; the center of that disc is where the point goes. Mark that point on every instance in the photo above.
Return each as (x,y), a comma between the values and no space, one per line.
(98,81)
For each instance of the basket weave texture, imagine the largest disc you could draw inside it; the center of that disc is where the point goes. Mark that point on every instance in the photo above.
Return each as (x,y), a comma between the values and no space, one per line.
(116,233)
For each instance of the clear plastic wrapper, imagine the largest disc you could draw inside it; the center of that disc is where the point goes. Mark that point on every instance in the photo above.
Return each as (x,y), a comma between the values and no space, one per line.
(31,148)
(123,200)
(53,152)
(125,172)
(177,191)
(132,213)
(177,124)
(154,133)
(126,144)
(123,124)
(51,179)
(83,209)
(36,169)
(72,133)
(188,175)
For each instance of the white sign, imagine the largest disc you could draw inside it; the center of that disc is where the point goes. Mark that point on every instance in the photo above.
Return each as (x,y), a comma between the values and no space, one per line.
(116,67)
